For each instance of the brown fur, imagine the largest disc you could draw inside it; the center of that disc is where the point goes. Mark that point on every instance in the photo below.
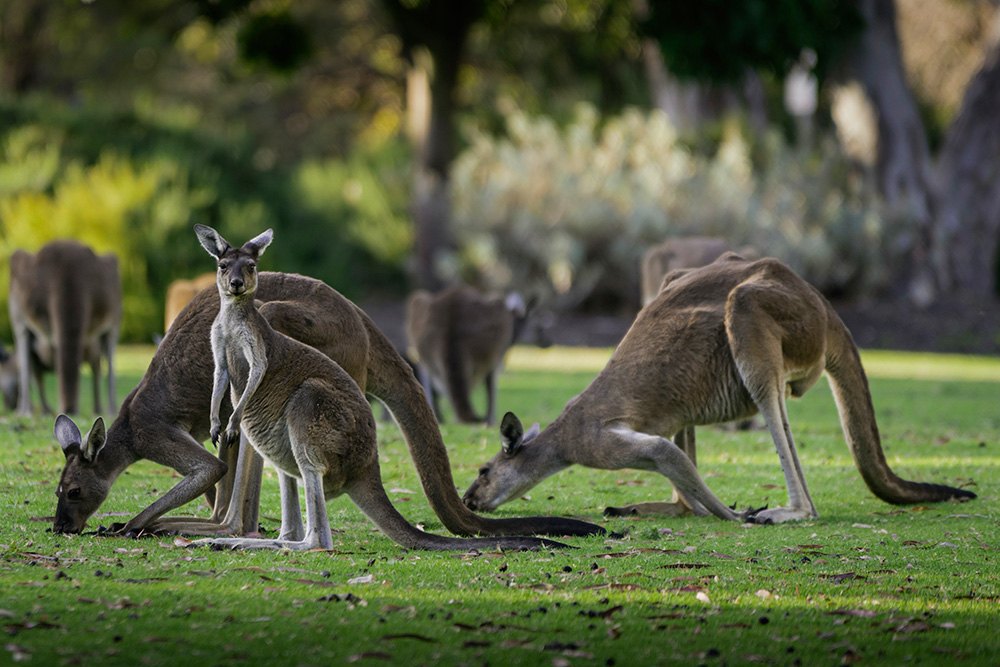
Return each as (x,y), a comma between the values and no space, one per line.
(459,338)
(303,414)
(717,344)
(166,419)
(65,307)
(180,293)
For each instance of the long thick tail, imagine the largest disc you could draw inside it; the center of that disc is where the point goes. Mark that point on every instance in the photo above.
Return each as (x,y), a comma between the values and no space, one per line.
(857,417)
(391,380)
(369,495)
(70,312)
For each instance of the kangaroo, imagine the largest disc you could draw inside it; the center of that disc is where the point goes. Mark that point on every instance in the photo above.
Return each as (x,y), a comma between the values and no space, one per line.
(65,305)
(459,338)
(717,344)
(682,253)
(304,414)
(165,419)
(180,293)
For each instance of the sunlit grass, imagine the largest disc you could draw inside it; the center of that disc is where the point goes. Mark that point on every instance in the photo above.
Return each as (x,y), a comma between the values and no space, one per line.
(865,583)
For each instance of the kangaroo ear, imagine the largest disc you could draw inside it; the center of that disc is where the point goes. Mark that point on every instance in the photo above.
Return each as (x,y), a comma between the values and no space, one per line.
(257,244)
(66,432)
(95,440)
(515,304)
(511,434)
(211,241)
(531,433)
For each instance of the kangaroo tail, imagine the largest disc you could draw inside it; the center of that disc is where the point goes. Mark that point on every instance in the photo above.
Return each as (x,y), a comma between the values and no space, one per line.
(69,309)
(369,495)
(391,380)
(857,418)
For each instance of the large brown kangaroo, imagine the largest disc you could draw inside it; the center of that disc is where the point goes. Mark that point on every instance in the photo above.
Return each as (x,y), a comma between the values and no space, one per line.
(165,419)
(303,414)
(717,344)
(460,337)
(65,306)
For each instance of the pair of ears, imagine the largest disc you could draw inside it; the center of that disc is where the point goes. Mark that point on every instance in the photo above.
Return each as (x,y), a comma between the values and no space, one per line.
(217,246)
(68,435)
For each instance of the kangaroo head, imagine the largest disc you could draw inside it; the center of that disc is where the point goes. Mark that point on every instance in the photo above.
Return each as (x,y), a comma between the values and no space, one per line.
(82,487)
(237,273)
(508,474)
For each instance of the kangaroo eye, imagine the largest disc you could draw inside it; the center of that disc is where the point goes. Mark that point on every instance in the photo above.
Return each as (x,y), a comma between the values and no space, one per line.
(251,268)
(223,266)
(74,494)
(484,471)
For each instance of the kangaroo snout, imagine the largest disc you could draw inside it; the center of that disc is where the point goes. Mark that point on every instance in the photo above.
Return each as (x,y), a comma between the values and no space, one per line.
(237,286)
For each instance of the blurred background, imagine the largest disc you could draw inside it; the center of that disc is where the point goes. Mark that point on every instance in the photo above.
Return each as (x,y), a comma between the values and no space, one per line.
(537,145)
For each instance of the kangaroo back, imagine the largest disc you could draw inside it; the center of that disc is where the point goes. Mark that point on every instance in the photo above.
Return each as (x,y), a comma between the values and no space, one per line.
(857,418)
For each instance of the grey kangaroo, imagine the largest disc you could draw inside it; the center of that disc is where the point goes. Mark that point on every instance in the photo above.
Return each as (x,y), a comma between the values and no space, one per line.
(304,414)
(460,338)
(718,343)
(165,419)
(65,306)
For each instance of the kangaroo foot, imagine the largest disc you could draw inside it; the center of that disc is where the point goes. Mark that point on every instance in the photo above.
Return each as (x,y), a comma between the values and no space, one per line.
(778,515)
(649,509)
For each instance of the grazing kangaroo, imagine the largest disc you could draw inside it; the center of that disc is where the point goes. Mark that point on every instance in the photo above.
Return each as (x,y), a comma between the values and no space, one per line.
(459,338)
(304,414)
(65,306)
(165,419)
(718,343)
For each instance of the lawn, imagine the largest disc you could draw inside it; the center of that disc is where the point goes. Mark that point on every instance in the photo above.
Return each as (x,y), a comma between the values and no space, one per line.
(866,583)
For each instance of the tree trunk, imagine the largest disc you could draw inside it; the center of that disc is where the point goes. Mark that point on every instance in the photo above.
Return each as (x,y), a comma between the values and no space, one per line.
(965,240)
(903,169)
(21,33)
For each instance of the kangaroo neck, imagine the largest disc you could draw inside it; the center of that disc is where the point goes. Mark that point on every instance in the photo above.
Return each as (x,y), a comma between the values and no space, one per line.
(118,452)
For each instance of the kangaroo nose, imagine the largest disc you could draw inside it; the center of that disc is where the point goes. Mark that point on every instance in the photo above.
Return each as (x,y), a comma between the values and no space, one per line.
(236,284)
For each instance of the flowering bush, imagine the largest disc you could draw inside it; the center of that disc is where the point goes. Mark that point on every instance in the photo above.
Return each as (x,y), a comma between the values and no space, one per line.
(568,212)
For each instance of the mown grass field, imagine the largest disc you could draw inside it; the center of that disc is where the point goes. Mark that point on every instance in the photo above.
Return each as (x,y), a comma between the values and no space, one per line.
(866,583)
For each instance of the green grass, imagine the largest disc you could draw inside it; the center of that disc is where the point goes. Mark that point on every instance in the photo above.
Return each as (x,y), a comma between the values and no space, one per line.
(866,583)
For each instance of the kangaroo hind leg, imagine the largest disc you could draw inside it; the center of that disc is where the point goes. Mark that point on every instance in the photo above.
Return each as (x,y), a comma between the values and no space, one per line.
(761,345)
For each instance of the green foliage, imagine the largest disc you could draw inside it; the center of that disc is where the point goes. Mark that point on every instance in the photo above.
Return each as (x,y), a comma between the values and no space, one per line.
(134,185)
(568,212)
(865,583)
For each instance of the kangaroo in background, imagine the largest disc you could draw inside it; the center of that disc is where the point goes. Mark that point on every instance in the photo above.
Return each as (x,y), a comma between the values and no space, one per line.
(180,293)
(165,419)
(459,338)
(303,414)
(718,343)
(689,252)
(65,306)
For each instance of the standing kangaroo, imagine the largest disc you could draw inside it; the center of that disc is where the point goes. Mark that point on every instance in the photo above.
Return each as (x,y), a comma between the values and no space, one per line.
(65,305)
(304,414)
(165,419)
(718,343)
(460,338)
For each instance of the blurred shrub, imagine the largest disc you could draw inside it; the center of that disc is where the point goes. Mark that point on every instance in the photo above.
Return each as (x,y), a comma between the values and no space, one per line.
(568,212)
(135,186)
